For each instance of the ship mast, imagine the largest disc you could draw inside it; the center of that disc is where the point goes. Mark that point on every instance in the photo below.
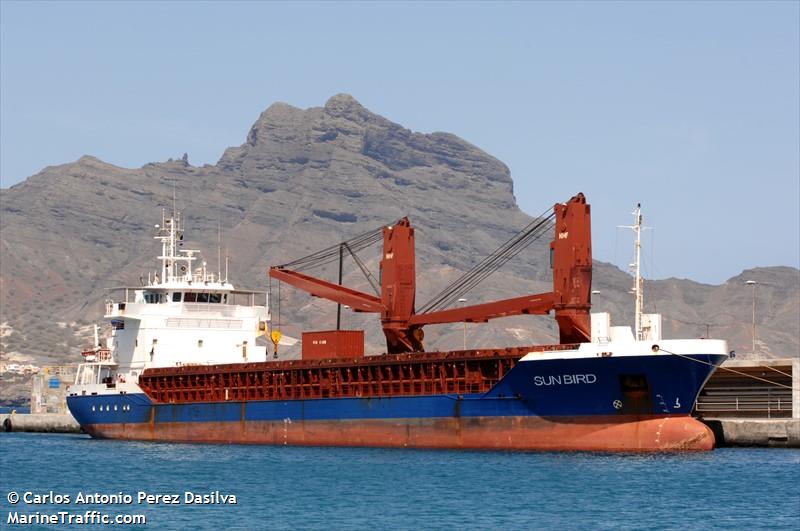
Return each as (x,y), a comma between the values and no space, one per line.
(170,234)
(638,283)
(636,269)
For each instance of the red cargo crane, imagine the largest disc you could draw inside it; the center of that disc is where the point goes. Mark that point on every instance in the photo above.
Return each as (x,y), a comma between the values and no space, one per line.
(570,259)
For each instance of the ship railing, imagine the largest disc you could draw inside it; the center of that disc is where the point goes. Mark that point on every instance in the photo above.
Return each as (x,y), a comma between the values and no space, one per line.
(760,401)
(97,355)
(219,309)
(124,295)
(96,373)
(363,378)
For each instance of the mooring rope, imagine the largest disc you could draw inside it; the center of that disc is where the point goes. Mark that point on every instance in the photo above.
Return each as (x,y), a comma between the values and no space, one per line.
(656,348)
(776,370)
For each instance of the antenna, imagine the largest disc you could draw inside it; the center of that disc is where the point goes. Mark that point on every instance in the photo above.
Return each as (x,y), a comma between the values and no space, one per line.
(637,277)
(636,268)
(219,250)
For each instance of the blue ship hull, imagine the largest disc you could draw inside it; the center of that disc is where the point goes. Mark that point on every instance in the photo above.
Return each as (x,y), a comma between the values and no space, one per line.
(614,403)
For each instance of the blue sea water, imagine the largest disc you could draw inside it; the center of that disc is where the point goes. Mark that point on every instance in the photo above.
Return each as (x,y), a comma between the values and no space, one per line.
(354,488)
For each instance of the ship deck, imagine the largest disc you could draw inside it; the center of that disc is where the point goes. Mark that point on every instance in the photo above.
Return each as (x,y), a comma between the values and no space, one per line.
(408,374)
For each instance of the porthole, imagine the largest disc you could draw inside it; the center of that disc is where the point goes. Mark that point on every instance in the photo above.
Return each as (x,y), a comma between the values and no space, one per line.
(92,408)
(115,407)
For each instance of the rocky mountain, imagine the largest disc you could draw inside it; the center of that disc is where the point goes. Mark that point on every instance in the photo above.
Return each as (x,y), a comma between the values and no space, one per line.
(304,180)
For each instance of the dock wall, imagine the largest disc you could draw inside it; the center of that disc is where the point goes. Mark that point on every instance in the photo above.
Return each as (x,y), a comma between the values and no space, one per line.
(40,423)
(770,433)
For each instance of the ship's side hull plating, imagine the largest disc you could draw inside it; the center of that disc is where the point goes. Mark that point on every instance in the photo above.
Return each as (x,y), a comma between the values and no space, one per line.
(499,433)
(633,404)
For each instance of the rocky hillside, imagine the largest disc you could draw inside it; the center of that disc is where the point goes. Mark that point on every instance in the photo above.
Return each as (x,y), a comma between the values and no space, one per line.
(304,180)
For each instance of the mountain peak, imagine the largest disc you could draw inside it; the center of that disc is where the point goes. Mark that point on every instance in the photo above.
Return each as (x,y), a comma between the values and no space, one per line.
(344,138)
(279,108)
(342,98)
(345,105)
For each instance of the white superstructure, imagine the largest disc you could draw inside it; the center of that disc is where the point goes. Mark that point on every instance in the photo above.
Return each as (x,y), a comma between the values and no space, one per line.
(180,315)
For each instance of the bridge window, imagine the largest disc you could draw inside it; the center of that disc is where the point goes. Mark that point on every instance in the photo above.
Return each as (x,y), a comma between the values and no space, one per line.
(215,297)
(189,297)
(202,297)
(176,297)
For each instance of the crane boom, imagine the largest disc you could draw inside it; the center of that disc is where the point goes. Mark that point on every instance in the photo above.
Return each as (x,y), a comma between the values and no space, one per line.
(570,258)
(540,304)
(358,301)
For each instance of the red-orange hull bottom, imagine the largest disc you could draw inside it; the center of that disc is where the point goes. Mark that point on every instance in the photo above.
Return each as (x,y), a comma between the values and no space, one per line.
(486,433)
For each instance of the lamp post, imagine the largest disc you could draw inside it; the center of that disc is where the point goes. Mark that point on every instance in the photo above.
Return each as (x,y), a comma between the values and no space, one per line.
(754,284)
(462,301)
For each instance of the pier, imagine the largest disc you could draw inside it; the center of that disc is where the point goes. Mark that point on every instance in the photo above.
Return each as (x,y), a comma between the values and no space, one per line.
(40,423)
(771,433)
(743,409)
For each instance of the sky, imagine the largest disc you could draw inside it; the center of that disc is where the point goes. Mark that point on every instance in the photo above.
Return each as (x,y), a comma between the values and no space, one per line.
(690,108)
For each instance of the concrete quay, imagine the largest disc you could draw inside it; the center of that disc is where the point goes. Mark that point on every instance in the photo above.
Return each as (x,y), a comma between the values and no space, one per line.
(40,423)
(764,433)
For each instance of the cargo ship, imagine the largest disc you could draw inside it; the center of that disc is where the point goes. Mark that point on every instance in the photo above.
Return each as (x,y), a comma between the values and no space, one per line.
(183,362)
